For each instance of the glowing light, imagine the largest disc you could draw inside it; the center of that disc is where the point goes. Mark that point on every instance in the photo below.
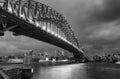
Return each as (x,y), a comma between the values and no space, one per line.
(65,39)
(22,16)
(48,30)
(32,70)
(59,36)
(44,27)
(56,34)
(37,24)
(30,20)
(47,59)
(62,38)
(52,32)
(10,9)
(53,60)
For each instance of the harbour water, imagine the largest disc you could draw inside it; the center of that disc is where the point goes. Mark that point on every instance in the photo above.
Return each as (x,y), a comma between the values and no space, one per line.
(77,71)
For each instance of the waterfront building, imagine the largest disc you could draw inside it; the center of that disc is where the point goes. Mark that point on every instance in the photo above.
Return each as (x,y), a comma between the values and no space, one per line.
(28,58)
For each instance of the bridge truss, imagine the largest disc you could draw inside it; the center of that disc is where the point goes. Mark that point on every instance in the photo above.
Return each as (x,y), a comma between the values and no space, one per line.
(39,15)
(42,16)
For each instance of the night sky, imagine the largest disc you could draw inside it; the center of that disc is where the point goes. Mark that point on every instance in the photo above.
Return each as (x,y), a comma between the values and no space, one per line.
(96,23)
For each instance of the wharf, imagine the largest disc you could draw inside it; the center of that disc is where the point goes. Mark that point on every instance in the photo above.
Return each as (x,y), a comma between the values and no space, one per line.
(14,71)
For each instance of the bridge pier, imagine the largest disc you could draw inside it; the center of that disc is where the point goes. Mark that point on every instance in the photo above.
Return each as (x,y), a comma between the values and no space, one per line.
(79,57)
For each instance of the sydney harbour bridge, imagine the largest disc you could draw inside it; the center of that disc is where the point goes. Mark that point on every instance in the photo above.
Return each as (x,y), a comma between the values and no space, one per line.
(39,21)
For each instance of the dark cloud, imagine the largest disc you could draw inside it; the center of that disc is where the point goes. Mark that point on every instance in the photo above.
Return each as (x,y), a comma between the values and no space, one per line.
(109,12)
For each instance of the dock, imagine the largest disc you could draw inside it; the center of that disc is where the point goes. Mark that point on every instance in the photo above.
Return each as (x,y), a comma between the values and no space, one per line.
(15,71)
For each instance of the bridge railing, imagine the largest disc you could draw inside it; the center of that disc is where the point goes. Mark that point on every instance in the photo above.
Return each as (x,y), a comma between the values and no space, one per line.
(41,16)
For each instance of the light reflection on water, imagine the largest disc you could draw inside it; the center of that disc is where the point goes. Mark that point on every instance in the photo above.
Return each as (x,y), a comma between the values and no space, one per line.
(78,71)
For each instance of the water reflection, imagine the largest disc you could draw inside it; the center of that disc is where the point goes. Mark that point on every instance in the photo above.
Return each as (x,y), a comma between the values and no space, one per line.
(78,71)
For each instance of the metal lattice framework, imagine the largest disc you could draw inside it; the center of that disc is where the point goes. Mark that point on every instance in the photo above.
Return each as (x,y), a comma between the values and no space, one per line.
(41,16)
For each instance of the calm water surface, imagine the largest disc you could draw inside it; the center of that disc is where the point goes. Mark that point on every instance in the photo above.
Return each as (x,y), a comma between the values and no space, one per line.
(78,71)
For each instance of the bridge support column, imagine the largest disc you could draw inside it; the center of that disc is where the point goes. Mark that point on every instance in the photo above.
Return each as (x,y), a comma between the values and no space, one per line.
(78,57)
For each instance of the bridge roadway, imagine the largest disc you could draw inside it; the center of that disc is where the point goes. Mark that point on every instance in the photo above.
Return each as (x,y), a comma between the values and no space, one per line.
(22,27)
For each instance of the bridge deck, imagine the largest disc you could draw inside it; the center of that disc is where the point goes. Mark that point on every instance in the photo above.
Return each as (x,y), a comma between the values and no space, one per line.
(30,30)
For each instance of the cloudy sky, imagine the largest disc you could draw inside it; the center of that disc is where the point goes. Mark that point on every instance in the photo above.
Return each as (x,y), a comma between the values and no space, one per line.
(96,23)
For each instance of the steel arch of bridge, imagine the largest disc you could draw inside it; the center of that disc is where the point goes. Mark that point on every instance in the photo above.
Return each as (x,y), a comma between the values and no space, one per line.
(39,15)
(36,13)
